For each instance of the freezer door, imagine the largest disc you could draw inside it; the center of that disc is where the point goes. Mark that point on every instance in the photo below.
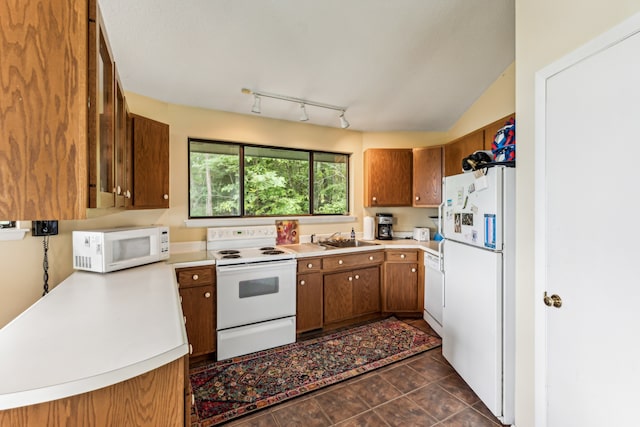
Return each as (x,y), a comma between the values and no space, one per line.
(472,320)
(473,207)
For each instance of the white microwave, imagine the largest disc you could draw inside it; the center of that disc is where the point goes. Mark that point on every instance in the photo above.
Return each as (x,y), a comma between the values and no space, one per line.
(114,249)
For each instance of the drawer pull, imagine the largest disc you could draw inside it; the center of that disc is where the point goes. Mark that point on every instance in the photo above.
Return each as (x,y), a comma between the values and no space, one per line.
(370,257)
(417,198)
(301,282)
(340,262)
(309,265)
(403,256)
(195,277)
(207,294)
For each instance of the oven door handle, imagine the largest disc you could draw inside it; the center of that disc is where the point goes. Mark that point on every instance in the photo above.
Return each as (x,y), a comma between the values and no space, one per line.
(255,266)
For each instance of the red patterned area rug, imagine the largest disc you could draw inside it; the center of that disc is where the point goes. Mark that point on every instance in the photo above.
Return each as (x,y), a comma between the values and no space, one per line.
(231,388)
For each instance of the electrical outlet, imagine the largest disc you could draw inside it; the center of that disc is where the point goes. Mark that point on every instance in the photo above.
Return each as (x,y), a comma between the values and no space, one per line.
(44,228)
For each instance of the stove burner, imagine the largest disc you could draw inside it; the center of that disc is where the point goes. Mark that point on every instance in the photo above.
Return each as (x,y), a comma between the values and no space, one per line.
(268,248)
(272,252)
(229,252)
(230,256)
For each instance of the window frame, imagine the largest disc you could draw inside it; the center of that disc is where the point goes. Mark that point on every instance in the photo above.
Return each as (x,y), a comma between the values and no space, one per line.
(241,171)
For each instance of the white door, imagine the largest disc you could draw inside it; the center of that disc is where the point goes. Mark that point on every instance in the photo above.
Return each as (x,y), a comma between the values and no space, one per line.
(587,228)
(472,319)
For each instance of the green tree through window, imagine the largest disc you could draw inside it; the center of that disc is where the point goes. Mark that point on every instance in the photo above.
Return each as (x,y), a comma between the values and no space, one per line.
(241,180)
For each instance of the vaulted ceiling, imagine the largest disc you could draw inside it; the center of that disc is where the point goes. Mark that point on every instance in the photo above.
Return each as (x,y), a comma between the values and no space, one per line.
(394,64)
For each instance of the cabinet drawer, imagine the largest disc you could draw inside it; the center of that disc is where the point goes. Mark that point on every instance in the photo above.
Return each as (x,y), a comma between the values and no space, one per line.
(309,264)
(361,259)
(401,256)
(195,276)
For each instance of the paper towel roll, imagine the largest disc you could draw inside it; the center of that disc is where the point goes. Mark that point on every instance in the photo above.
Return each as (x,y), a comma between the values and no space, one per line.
(368,228)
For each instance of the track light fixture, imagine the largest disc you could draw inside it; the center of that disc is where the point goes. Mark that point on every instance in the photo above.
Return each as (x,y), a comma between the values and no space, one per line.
(303,114)
(256,104)
(303,103)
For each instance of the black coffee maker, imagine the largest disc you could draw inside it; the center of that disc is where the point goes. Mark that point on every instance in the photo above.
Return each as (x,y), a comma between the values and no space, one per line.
(384,221)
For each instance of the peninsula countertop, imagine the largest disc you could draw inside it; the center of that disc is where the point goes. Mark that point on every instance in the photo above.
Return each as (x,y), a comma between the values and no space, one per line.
(92,331)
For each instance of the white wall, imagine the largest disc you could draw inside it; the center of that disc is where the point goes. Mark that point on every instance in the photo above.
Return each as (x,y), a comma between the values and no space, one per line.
(545,31)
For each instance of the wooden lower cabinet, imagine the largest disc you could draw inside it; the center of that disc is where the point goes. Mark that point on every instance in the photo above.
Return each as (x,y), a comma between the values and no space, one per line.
(197,288)
(350,294)
(155,398)
(402,290)
(309,302)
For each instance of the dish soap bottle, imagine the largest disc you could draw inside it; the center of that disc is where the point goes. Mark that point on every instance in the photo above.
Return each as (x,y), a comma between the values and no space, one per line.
(353,234)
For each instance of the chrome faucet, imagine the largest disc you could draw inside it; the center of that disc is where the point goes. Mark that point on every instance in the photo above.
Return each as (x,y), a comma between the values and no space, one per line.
(337,233)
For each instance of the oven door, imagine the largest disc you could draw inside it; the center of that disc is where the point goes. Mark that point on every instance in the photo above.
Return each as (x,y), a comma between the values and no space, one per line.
(252,293)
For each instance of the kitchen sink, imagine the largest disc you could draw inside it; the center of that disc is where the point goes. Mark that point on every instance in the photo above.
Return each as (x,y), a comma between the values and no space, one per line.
(338,244)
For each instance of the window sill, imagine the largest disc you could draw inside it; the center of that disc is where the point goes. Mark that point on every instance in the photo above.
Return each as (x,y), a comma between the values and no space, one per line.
(230,222)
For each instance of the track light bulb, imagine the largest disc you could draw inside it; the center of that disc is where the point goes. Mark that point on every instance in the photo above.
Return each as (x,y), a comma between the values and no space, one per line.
(343,122)
(256,104)
(303,113)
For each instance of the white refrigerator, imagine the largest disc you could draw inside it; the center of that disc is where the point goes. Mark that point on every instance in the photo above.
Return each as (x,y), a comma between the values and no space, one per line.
(478,313)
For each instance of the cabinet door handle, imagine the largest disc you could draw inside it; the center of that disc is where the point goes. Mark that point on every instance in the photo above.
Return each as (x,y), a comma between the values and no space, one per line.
(413,270)
(340,262)
(185,319)
(195,277)
(190,349)
(403,256)
(166,197)
(309,265)
(301,282)
(180,299)
(207,294)
(357,276)
(193,399)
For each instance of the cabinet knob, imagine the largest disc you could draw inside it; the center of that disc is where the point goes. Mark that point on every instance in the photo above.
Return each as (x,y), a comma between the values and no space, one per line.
(127,194)
(340,262)
(413,270)
(417,198)
(375,199)
(166,197)
(350,279)
(357,276)
(403,256)
(370,257)
(301,282)
(207,294)
(195,277)
(309,265)
(119,189)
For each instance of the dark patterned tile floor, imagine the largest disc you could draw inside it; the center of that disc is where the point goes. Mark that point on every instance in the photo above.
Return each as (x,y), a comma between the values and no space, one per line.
(423,390)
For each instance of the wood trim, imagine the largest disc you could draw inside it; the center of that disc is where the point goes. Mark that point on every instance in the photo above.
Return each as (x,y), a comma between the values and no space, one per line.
(156,398)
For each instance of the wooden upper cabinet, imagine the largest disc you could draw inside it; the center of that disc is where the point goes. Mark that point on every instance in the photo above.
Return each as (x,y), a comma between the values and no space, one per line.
(427,176)
(388,177)
(457,150)
(102,117)
(43,104)
(491,130)
(150,163)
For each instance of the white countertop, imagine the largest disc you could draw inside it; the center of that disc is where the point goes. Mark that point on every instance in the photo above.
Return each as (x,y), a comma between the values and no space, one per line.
(306,250)
(92,331)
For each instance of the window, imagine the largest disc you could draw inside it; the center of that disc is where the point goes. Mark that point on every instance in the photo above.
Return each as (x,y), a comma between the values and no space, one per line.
(229,179)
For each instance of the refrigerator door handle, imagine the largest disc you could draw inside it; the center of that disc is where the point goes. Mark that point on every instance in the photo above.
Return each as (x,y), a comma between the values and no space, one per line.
(440,207)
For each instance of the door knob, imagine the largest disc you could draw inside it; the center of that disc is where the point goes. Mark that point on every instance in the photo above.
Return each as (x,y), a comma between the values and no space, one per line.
(553,300)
